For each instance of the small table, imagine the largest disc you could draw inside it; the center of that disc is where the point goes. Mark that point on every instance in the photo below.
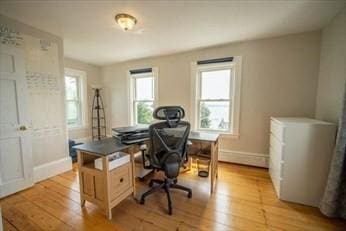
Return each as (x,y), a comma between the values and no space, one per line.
(105,188)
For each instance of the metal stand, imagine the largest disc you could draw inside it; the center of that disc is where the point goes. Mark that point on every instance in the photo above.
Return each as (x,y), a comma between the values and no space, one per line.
(98,117)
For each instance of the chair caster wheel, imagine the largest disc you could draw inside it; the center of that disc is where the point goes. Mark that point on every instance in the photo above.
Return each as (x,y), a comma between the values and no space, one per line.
(141,179)
(151,184)
(175,181)
(170,211)
(189,195)
(142,201)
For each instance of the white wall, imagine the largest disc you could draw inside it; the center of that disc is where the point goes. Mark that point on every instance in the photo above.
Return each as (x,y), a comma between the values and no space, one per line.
(46,98)
(332,75)
(279,78)
(93,78)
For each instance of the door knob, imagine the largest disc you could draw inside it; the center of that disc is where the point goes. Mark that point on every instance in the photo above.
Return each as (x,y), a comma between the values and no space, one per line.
(22,128)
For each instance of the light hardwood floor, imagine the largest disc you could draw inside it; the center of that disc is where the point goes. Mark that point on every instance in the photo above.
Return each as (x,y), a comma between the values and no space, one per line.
(244,200)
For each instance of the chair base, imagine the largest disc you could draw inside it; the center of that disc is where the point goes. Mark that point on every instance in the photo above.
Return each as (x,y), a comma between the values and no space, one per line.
(166,185)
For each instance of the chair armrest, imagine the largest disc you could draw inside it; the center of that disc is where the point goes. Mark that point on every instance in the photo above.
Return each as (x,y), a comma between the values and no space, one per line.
(145,159)
(143,147)
(186,154)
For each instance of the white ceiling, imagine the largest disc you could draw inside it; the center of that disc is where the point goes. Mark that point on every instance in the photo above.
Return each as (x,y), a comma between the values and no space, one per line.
(91,35)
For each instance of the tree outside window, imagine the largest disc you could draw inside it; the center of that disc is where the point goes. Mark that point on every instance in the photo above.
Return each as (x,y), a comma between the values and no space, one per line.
(144,113)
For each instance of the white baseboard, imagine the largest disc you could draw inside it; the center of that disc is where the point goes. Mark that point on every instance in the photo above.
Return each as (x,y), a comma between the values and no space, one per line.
(51,169)
(247,158)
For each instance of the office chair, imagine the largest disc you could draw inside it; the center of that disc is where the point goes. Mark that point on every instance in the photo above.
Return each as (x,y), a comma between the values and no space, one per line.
(167,151)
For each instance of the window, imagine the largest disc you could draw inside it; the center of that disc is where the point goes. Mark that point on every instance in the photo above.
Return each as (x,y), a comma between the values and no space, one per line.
(216,101)
(143,95)
(76,104)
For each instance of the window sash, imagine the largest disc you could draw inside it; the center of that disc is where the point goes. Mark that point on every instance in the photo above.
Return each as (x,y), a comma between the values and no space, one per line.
(135,99)
(77,100)
(144,76)
(210,129)
(210,70)
(199,100)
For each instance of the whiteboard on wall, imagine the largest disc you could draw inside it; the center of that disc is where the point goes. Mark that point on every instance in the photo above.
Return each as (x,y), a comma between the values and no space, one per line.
(46,99)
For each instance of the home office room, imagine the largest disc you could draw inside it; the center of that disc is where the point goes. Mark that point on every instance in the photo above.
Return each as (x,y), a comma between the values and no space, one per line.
(172,115)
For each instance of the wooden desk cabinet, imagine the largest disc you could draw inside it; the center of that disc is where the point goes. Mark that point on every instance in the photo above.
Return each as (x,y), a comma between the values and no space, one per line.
(105,188)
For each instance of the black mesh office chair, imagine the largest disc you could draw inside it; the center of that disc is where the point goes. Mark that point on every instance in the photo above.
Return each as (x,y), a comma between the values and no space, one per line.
(167,151)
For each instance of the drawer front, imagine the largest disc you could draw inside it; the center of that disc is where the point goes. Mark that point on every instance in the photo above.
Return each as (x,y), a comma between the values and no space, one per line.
(274,173)
(277,130)
(120,180)
(275,158)
(277,148)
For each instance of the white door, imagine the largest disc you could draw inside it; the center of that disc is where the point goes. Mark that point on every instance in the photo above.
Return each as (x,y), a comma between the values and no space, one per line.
(15,137)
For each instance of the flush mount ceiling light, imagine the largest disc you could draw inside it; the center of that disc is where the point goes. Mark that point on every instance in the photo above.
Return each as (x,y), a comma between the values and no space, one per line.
(125,21)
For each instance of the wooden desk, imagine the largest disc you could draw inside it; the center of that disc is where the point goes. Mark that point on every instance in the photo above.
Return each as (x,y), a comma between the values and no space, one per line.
(213,141)
(107,188)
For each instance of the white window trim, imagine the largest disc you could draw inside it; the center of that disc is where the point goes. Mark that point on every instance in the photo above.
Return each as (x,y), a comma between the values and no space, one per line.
(131,93)
(234,98)
(83,97)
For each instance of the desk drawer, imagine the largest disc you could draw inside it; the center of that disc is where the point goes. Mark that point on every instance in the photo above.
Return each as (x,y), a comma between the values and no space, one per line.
(274,173)
(120,180)
(277,148)
(278,130)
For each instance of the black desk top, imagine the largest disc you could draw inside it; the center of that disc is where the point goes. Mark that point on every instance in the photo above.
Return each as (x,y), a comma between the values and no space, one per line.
(111,145)
(103,147)
(203,136)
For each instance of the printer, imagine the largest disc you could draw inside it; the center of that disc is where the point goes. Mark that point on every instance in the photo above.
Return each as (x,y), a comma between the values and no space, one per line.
(132,134)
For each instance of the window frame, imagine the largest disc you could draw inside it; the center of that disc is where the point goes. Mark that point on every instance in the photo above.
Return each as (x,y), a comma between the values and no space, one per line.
(234,95)
(81,77)
(131,79)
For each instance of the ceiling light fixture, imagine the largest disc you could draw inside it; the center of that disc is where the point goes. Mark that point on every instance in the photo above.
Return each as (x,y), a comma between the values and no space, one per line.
(125,21)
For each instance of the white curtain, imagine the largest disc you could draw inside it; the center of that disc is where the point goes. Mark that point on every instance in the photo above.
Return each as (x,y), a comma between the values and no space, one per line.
(334,199)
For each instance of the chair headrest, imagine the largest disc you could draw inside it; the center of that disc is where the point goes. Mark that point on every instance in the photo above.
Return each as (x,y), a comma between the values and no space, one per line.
(169,112)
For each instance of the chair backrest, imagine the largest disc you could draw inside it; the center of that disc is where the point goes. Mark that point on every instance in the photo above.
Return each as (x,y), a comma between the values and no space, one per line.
(168,138)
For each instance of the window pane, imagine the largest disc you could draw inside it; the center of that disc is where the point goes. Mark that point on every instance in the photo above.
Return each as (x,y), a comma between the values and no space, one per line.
(144,112)
(71,85)
(72,112)
(214,115)
(144,88)
(215,84)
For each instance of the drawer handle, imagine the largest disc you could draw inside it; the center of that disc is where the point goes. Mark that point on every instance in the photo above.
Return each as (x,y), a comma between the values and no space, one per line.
(121,180)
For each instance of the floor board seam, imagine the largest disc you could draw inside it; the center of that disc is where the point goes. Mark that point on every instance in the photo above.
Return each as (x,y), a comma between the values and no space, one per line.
(262,204)
(8,221)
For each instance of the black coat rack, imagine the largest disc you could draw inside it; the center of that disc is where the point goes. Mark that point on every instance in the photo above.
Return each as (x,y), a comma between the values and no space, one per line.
(98,117)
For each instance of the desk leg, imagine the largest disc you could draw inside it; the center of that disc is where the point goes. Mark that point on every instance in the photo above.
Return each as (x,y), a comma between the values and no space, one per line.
(107,204)
(132,157)
(217,159)
(80,163)
(212,165)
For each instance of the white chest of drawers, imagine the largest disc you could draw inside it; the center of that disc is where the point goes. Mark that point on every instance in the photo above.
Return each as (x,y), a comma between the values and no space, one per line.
(300,153)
